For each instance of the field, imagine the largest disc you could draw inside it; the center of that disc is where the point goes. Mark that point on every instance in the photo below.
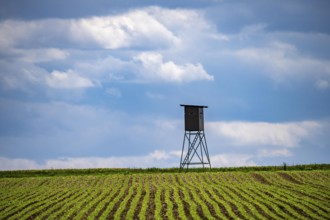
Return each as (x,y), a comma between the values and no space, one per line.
(157,195)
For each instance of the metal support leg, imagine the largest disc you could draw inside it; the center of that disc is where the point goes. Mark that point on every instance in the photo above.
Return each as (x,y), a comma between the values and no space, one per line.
(199,141)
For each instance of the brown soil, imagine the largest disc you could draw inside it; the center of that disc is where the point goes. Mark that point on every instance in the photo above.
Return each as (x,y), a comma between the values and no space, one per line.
(288,178)
(259,178)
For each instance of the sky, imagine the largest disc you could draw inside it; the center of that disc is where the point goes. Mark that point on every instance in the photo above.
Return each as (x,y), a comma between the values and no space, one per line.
(97,84)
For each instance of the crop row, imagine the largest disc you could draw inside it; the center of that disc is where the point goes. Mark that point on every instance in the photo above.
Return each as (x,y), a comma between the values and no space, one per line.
(230,195)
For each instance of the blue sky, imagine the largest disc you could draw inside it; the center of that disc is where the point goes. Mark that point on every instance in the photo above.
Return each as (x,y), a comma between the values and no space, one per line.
(88,84)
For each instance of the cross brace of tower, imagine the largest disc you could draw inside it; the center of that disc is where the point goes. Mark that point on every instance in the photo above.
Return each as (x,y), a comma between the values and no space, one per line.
(194,142)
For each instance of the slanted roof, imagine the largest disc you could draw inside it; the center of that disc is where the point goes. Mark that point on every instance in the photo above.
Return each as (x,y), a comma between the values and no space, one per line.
(195,106)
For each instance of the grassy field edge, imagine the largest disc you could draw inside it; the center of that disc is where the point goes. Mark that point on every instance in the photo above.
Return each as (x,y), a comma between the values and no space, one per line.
(109,171)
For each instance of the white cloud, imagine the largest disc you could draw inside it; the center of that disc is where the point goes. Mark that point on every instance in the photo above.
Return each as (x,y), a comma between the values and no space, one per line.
(157,158)
(175,153)
(134,28)
(159,155)
(17,164)
(41,54)
(131,29)
(263,133)
(179,19)
(232,160)
(274,153)
(283,60)
(323,84)
(21,75)
(154,68)
(104,69)
(189,25)
(152,28)
(25,76)
(67,80)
